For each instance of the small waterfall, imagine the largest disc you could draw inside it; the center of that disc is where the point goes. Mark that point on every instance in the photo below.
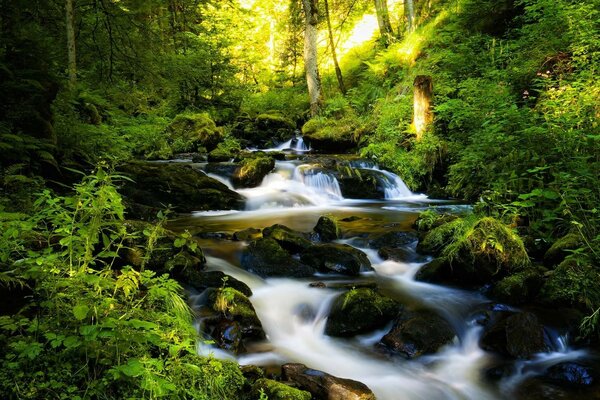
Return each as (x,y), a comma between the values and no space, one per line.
(394,186)
(319,181)
(296,144)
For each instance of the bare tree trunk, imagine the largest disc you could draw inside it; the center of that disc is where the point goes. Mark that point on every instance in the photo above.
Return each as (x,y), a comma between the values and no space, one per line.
(71,50)
(422,114)
(313,80)
(338,71)
(409,10)
(383,20)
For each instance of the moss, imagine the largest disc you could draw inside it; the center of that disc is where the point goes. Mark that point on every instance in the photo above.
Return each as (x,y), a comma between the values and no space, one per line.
(440,237)
(288,239)
(574,283)
(273,121)
(225,151)
(252,171)
(187,132)
(331,134)
(328,229)
(560,249)
(278,391)
(519,288)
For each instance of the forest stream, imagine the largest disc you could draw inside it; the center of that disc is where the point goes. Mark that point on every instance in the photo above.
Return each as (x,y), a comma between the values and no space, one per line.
(294,311)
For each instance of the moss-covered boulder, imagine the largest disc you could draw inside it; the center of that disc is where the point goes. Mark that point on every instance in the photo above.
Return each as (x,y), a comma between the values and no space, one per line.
(202,280)
(277,391)
(225,151)
(360,184)
(292,241)
(574,283)
(252,171)
(188,132)
(339,258)
(266,258)
(155,186)
(333,135)
(517,335)
(562,248)
(327,229)
(417,333)
(247,234)
(393,239)
(359,311)
(324,386)
(263,130)
(475,251)
(519,288)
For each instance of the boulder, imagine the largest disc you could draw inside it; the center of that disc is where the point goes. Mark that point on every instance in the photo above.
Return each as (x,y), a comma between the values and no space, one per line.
(263,130)
(400,254)
(562,248)
(247,234)
(232,305)
(266,258)
(228,336)
(437,270)
(277,391)
(324,386)
(360,184)
(359,311)
(290,240)
(327,229)
(332,135)
(394,239)
(571,284)
(519,288)
(339,258)
(156,186)
(571,374)
(517,335)
(252,171)
(187,132)
(202,280)
(225,151)
(417,333)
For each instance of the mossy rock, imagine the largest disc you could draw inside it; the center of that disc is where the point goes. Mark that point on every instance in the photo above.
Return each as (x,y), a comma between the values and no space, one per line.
(417,333)
(359,311)
(572,284)
(292,241)
(332,135)
(187,132)
(562,248)
(277,391)
(516,335)
(252,171)
(519,288)
(274,122)
(266,258)
(327,229)
(247,234)
(478,250)
(155,186)
(437,270)
(225,151)
(263,130)
(235,306)
(210,279)
(431,219)
(360,184)
(340,258)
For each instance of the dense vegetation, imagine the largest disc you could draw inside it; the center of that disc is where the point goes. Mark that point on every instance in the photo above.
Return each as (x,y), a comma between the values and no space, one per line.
(515,132)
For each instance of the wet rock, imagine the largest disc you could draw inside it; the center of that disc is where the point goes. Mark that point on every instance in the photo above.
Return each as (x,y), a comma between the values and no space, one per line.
(155,186)
(320,285)
(324,386)
(393,240)
(227,335)
(247,234)
(327,229)
(562,248)
(417,333)
(210,279)
(359,311)
(252,171)
(397,254)
(277,391)
(290,240)
(232,305)
(517,335)
(352,218)
(266,258)
(339,258)
(571,374)
(360,184)
(352,285)
(519,288)
(331,136)
(262,130)
(438,270)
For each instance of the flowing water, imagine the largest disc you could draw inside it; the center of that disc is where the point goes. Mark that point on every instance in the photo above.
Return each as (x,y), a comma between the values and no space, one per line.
(294,314)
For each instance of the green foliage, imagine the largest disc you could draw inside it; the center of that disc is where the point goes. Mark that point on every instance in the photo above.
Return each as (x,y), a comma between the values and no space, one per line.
(188,132)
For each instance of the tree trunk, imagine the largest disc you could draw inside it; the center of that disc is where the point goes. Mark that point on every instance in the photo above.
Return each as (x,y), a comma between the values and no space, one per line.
(422,115)
(338,71)
(383,20)
(409,10)
(71,51)
(313,80)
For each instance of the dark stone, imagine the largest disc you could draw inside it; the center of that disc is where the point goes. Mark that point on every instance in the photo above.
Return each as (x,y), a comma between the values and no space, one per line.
(393,240)
(155,186)
(290,240)
(340,258)
(247,234)
(228,336)
(324,386)
(519,288)
(361,186)
(571,374)
(233,305)
(359,311)
(266,258)
(517,335)
(398,254)
(562,248)
(438,270)
(210,279)
(327,229)
(252,171)
(417,333)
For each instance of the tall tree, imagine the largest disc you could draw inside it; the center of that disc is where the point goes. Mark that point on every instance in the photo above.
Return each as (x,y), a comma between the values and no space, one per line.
(313,80)
(383,20)
(71,51)
(423,94)
(409,10)
(338,71)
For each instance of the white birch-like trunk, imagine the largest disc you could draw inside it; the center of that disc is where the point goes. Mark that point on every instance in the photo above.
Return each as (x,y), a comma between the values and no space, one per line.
(313,79)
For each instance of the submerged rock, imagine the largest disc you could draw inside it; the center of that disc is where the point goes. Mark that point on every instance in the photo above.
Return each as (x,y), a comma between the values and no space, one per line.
(156,186)
(571,374)
(417,333)
(324,386)
(359,311)
(518,335)
(333,257)
(327,229)
(266,258)
(277,391)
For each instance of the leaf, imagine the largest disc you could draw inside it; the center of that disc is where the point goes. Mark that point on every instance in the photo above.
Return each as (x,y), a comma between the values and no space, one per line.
(133,368)
(80,311)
